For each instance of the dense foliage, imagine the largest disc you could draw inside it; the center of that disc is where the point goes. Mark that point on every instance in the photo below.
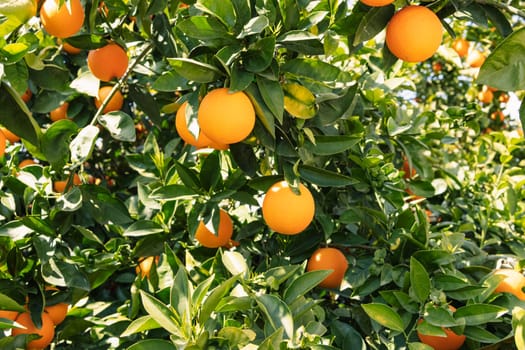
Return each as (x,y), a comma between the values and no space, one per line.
(419,183)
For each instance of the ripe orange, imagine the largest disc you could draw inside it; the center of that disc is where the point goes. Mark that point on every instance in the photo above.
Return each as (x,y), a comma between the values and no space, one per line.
(226,117)
(451,341)
(219,239)
(60,186)
(183,131)
(3,141)
(377,3)
(59,113)
(461,46)
(287,212)
(70,49)
(116,102)
(329,259)
(513,282)
(63,21)
(26,162)
(485,95)
(11,137)
(108,62)
(8,315)
(26,96)
(47,331)
(57,312)
(475,58)
(437,66)
(414,33)
(144,266)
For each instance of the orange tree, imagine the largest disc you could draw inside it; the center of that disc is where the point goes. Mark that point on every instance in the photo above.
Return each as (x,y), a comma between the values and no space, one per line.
(411,179)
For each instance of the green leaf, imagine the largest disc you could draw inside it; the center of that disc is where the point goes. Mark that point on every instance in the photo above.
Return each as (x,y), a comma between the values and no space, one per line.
(480,334)
(259,55)
(88,234)
(120,126)
(478,314)
(55,142)
(6,303)
(156,344)
(139,325)
(172,192)
(373,23)
(385,316)
(272,341)
(301,41)
(194,70)
(16,117)
(329,145)
(223,10)
(146,103)
(188,176)
(277,313)
(208,29)
(210,173)
(71,201)
(52,77)
(180,297)
(262,111)
(504,68)
(159,312)
(325,178)
(254,26)
(215,297)
(303,284)
(143,228)
(200,293)
(518,326)
(272,95)
(419,280)
(498,19)
(82,145)
(235,263)
(315,72)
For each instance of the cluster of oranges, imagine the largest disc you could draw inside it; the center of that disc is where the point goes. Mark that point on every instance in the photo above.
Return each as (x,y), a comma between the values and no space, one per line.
(106,63)
(51,317)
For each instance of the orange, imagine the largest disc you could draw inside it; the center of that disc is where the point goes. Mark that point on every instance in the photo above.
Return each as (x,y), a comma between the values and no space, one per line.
(8,315)
(115,103)
(181,126)
(286,212)
(451,341)
(182,129)
(461,46)
(47,331)
(144,266)
(57,312)
(485,95)
(60,186)
(59,113)
(226,117)
(513,282)
(437,66)
(414,33)
(70,49)
(329,259)
(409,172)
(11,137)
(475,58)
(63,21)
(26,162)
(209,239)
(26,96)
(3,141)
(377,3)
(108,62)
